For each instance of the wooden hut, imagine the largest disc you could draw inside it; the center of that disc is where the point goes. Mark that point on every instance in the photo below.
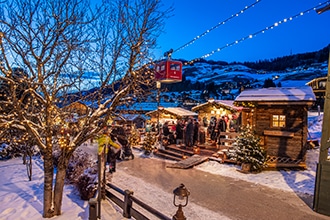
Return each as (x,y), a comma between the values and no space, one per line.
(217,108)
(279,116)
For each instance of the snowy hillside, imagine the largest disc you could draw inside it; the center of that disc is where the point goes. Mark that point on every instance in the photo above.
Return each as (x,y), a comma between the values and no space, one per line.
(219,74)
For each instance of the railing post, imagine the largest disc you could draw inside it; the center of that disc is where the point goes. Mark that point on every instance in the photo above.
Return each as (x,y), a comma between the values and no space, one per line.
(92,209)
(127,204)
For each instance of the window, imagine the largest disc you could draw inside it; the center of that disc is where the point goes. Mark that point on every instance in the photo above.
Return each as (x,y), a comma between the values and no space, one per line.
(174,66)
(278,120)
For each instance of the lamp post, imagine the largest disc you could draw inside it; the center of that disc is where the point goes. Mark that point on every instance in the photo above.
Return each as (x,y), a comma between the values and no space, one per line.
(180,200)
(322,181)
(158,86)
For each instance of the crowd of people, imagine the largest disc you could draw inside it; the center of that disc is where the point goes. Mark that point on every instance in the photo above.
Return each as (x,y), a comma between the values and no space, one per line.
(190,132)
(185,133)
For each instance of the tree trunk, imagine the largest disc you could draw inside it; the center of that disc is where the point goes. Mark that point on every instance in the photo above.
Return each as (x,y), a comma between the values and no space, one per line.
(48,184)
(59,183)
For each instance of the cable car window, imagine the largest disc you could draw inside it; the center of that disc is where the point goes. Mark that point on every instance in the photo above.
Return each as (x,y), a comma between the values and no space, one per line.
(162,67)
(175,66)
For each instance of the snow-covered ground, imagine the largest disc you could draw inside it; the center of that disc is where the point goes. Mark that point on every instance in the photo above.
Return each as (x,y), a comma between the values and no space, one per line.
(22,199)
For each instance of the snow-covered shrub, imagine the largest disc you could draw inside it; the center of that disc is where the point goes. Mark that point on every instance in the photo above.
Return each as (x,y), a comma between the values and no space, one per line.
(82,173)
(8,151)
(248,150)
(5,151)
(79,162)
(86,183)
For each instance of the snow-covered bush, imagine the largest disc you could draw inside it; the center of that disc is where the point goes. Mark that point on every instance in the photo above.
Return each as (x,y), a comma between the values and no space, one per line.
(87,183)
(248,150)
(81,172)
(8,151)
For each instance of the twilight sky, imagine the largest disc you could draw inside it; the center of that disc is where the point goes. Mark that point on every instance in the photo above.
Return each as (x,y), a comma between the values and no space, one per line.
(249,35)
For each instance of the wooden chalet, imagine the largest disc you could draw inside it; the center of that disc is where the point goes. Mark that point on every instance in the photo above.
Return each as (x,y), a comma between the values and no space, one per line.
(279,116)
(217,108)
(77,108)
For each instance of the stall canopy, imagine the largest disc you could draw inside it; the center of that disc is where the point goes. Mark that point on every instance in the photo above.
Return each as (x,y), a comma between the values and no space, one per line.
(217,104)
(175,112)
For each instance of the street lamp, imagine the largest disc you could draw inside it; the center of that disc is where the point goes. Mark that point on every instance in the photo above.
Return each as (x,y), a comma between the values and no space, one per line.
(158,86)
(180,200)
(321,193)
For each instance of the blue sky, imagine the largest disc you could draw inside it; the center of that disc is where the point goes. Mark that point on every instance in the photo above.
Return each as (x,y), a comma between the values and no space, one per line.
(304,33)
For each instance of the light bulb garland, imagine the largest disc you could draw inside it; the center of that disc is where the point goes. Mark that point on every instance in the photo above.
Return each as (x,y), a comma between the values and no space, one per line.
(276,24)
(216,26)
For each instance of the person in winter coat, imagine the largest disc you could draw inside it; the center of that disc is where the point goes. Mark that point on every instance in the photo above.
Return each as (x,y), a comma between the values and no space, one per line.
(221,127)
(189,133)
(179,132)
(112,149)
(196,131)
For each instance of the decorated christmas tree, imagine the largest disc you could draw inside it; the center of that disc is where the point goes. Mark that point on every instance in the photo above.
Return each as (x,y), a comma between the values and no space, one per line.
(249,151)
(149,142)
(134,137)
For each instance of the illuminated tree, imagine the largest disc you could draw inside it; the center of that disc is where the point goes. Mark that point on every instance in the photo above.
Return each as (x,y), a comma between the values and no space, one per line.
(59,44)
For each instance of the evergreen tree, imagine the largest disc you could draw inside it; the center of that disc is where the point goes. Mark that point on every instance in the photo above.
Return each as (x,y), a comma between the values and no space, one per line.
(248,150)
(269,83)
(149,142)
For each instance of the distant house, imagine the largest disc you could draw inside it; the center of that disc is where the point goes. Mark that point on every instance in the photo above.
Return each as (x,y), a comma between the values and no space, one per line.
(279,116)
(78,108)
(318,85)
(143,107)
(131,119)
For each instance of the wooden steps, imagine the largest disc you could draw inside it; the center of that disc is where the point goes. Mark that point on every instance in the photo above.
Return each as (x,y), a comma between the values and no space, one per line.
(168,154)
(174,153)
(179,153)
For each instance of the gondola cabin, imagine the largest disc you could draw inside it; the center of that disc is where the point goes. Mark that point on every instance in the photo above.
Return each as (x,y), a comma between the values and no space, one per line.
(168,71)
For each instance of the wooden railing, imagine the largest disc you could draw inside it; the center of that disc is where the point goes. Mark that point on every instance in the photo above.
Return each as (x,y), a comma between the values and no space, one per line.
(126,204)
(95,202)
(228,138)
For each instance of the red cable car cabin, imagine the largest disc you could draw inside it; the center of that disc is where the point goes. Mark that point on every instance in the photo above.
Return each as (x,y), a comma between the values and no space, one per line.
(168,71)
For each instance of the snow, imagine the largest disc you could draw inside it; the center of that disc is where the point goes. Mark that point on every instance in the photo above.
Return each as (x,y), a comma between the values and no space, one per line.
(303,93)
(22,199)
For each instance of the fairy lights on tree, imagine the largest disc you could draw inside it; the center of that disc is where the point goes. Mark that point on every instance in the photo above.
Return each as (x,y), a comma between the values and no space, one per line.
(54,45)
(248,150)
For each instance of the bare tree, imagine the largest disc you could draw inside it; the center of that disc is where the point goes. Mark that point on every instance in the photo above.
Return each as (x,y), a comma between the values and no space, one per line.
(58,44)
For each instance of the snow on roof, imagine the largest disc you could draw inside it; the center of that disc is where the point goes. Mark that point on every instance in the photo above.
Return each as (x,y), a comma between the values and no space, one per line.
(180,111)
(304,93)
(176,111)
(226,103)
(131,117)
(147,106)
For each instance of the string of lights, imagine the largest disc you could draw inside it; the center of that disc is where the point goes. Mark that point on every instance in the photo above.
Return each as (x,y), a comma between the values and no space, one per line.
(276,24)
(216,26)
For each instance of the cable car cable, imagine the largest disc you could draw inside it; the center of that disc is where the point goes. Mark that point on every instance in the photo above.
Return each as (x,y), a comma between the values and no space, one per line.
(259,32)
(214,27)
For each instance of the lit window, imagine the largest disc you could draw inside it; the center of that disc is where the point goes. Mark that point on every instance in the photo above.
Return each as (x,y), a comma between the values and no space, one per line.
(278,120)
